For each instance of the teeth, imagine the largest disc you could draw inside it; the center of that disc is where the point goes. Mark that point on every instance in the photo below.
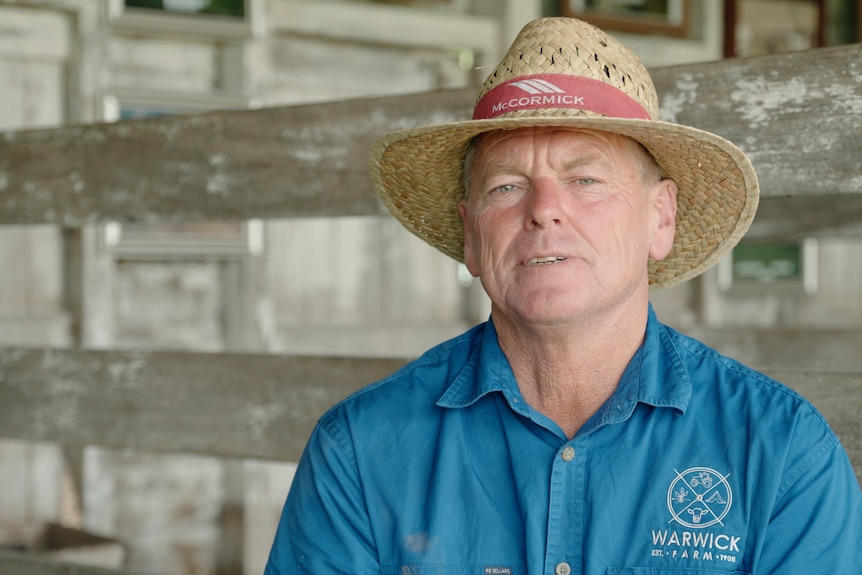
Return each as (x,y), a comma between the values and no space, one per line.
(545,260)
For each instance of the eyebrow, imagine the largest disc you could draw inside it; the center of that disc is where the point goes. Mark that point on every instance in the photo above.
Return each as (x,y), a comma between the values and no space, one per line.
(495,168)
(586,159)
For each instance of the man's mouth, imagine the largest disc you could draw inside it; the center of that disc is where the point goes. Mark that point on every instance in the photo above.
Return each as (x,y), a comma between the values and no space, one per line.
(545,260)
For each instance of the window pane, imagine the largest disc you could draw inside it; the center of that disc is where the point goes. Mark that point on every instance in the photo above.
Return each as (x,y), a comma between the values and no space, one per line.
(235,8)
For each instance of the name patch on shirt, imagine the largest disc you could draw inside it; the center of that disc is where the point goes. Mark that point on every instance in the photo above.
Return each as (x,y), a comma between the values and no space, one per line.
(498,570)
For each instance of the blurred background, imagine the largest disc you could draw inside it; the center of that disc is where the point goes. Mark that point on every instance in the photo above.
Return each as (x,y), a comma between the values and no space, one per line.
(345,286)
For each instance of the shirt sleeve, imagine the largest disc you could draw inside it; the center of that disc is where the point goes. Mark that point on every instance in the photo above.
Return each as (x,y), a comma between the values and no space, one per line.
(324,527)
(817,522)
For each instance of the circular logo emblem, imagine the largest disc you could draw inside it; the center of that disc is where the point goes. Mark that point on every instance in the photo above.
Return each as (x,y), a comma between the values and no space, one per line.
(699,497)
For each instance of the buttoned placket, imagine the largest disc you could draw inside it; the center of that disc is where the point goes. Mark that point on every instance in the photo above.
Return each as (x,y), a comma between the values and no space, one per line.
(564,555)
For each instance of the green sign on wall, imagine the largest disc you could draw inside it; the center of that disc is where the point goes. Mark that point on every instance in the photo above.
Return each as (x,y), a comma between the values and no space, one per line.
(767,262)
(754,268)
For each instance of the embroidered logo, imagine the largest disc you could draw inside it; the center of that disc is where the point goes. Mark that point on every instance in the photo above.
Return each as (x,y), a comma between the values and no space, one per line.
(538,86)
(699,497)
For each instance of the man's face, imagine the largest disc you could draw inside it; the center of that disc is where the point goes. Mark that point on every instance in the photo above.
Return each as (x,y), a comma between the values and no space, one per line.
(559,224)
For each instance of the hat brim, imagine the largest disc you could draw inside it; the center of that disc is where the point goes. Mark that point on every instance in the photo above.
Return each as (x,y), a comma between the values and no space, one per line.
(418,174)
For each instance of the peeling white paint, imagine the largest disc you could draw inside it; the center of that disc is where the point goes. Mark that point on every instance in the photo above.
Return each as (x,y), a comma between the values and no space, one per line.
(78,185)
(848,98)
(378,116)
(169,129)
(260,417)
(818,142)
(63,394)
(98,135)
(672,104)
(318,154)
(759,100)
(311,155)
(188,168)
(126,374)
(219,184)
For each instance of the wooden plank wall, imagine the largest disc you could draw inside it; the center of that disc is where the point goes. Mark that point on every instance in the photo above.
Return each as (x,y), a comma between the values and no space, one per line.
(797,115)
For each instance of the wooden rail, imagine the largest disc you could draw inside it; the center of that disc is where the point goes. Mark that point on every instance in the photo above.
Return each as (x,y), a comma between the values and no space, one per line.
(226,405)
(17,564)
(797,115)
(243,405)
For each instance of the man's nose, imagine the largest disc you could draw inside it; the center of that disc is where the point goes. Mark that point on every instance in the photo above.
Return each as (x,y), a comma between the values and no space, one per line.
(545,204)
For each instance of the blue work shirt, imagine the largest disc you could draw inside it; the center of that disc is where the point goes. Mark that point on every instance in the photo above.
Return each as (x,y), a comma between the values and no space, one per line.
(696,464)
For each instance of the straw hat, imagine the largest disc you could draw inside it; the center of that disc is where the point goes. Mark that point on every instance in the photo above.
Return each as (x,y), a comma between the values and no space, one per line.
(565,72)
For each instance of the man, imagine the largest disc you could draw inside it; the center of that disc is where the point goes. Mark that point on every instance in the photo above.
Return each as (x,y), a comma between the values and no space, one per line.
(572,432)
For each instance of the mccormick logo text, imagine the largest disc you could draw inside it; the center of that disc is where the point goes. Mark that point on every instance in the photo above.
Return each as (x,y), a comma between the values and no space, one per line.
(544,91)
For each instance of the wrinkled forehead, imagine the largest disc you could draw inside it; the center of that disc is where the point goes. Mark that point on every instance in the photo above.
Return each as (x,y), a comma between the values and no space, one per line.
(495,137)
(497,143)
(492,145)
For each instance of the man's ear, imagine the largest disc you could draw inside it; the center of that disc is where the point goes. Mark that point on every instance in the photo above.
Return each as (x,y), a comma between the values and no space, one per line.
(469,252)
(664,212)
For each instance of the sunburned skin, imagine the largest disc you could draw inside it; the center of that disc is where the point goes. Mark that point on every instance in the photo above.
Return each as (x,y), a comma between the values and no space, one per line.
(579,203)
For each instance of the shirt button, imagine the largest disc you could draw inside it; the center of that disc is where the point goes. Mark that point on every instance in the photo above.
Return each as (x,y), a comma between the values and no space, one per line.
(568,455)
(563,569)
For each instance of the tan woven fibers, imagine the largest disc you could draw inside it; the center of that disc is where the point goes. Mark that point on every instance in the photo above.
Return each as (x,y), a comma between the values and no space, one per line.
(418,173)
(573,47)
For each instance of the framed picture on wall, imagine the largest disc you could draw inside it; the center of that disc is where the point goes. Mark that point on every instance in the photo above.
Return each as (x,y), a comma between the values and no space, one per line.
(226,19)
(664,17)
(773,26)
(228,8)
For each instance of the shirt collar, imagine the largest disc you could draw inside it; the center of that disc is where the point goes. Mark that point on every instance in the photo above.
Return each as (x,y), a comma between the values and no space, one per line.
(487,370)
(665,381)
(655,376)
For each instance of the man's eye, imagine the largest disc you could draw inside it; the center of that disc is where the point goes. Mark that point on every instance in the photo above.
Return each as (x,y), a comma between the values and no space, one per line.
(585,181)
(504,188)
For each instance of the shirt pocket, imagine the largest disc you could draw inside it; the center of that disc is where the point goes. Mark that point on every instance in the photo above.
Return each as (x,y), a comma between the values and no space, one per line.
(669,571)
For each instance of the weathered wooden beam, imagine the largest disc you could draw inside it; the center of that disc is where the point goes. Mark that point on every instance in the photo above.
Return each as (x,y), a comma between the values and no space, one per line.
(799,217)
(276,162)
(12,563)
(792,349)
(238,405)
(797,114)
(256,406)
